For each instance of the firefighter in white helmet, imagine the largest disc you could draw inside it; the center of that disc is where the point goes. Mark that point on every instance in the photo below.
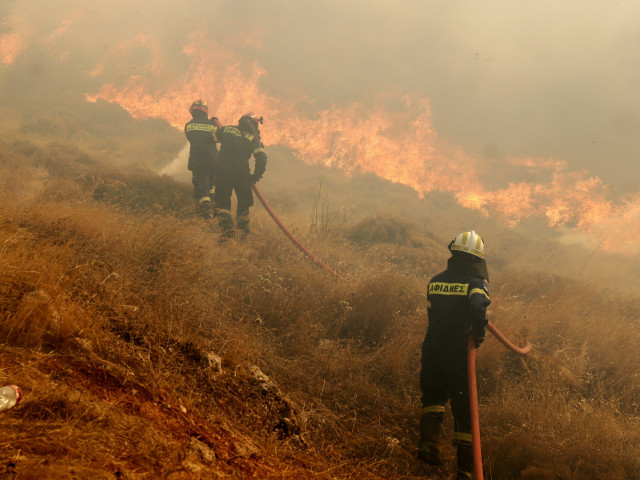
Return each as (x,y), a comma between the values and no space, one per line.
(457,300)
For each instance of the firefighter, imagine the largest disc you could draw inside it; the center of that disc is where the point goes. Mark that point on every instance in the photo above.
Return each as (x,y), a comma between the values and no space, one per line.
(203,155)
(237,144)
(457,300)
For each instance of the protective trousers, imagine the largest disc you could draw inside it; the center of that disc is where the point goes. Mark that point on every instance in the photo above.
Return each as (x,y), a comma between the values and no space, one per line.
(441,381)
(203,189)
(226,184)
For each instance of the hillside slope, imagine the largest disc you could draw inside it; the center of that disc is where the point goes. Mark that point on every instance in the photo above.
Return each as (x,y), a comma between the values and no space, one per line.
(116,303)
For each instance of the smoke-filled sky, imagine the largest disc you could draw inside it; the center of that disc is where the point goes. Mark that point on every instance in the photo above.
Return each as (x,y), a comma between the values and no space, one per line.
(493,86)
(520,78)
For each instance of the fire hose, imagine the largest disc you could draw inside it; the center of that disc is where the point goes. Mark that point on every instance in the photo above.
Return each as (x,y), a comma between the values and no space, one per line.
(473,392)
(471,348)
(293,239)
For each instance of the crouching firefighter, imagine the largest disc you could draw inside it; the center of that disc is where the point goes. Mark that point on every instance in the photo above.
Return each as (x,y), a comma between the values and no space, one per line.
(237,145)
(457,300)
(203,155)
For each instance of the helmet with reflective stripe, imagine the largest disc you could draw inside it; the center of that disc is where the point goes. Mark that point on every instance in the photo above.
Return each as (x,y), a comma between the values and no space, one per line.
(468,242)
(199,105)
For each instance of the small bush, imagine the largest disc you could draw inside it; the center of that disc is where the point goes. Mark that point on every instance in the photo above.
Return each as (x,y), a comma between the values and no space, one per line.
(385,229)
(375,307)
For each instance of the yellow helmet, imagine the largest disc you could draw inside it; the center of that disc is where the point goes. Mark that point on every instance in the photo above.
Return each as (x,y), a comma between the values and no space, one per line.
(468,242)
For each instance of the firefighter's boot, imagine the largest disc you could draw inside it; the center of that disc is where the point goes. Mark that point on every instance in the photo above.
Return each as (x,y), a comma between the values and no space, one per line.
(204,207)
(212,197)
(226,222)
(243,223)
(464,452)
(428,451)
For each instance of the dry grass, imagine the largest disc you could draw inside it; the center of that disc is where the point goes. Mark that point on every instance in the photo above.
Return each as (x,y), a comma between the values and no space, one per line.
(112,295)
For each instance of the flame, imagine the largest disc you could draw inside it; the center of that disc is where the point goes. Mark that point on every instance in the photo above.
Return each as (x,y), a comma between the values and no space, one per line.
(568,198)
(142,101)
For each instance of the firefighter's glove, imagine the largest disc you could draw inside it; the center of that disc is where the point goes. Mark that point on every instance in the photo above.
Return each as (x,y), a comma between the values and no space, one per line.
(477,340)
(254,178)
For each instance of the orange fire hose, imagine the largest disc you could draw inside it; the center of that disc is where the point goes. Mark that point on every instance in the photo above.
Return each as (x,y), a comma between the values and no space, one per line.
(290,235)
(473,406)
(519,350)
(471,348)
(473,392)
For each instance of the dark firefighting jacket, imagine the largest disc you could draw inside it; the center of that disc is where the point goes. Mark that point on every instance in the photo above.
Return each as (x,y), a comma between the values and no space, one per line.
(236,148)
(203,153)
(457,301)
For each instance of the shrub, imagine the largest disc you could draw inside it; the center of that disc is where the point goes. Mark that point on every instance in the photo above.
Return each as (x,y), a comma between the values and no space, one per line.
(385,229)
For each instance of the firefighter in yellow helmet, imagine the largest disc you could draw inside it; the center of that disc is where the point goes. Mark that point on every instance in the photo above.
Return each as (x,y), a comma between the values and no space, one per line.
(457,300)
(237,145)
(203,155)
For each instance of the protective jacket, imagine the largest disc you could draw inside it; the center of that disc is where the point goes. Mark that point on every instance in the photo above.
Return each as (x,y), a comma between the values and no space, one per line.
(203,153)
(457,301)
(236,148)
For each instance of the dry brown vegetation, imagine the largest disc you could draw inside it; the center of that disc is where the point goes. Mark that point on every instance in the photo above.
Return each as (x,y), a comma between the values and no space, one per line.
(113,297)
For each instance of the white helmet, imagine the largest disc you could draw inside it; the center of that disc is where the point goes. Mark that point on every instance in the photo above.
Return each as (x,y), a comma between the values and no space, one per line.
(469,242)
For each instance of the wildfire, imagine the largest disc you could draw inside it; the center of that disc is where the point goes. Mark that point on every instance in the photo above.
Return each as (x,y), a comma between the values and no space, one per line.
(400,145)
